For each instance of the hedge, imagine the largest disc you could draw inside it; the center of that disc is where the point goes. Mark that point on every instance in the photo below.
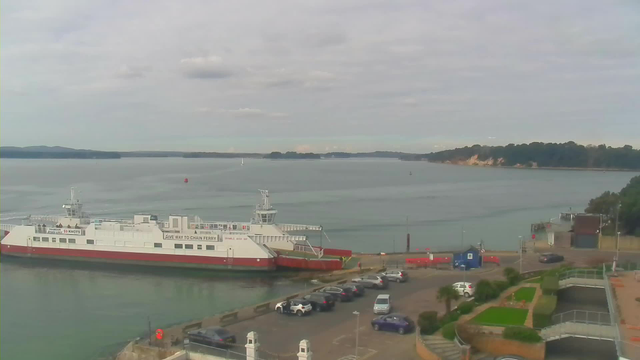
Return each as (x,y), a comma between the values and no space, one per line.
(500,285)
(428,322)
(449,331)
(550,285)
(449,318)
(522,334)
(543,310)
(466,307)
(485,291)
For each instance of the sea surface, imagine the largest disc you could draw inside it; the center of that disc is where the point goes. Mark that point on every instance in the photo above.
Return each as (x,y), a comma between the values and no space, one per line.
(59,310)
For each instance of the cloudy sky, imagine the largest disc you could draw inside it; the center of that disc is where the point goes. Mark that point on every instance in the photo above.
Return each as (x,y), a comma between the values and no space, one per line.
(318,75)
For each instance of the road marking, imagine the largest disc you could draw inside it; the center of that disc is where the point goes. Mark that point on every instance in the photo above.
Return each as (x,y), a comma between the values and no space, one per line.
(370,353)
(336,340)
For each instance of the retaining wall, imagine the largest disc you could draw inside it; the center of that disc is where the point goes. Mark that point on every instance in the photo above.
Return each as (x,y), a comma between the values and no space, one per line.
(496,345)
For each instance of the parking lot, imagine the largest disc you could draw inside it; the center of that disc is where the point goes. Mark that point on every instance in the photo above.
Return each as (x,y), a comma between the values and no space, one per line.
(333,334)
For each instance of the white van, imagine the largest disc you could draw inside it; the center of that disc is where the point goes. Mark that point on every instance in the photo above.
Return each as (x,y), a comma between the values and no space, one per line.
(382,304)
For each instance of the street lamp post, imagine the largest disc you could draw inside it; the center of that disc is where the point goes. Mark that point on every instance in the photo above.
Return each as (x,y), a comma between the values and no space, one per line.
(520,254)
(357,314)
(617,233)
(464,273)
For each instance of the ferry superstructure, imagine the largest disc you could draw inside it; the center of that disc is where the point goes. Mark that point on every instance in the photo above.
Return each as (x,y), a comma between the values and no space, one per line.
(182,241)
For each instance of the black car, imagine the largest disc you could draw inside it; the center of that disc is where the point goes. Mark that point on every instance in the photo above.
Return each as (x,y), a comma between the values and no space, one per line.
(338,293)
(550,258)
(358,289)
(320,301)
(212,336)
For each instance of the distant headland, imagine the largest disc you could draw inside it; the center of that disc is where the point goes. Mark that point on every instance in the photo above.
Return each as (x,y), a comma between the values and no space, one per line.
(567,155)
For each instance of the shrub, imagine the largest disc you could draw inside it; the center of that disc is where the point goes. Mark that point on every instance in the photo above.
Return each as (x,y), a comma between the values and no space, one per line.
(449,318)
(449,331)
(512,275)
(543,310)
(550,285)
(523,334)
(485,291)
(466,307)
(428,322)
(500,285)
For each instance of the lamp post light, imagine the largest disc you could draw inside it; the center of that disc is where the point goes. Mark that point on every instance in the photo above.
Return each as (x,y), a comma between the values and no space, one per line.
(357,314)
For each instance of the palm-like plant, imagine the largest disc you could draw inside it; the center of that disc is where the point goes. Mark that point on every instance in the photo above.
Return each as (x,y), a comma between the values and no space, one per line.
(447,294)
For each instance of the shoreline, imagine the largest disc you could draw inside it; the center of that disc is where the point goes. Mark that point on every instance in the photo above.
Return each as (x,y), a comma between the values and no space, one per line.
(530,168)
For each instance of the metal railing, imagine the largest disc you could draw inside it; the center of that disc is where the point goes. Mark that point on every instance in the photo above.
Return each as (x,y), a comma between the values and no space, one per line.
(613,310)
(582,274)
(583,317)
(7,227)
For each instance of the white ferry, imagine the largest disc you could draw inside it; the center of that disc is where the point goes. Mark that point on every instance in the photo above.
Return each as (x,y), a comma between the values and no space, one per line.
(179,242)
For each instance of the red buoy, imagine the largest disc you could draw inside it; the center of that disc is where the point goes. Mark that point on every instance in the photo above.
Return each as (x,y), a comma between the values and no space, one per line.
(186,180)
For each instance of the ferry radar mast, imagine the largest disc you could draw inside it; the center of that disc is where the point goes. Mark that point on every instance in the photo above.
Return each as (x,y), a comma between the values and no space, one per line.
(74,214)
(264,213)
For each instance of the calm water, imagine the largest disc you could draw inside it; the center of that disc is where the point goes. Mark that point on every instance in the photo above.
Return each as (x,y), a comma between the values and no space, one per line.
(67,311)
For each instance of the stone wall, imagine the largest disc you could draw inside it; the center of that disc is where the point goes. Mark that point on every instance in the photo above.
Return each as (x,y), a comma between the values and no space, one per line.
(498,346)
(631,243)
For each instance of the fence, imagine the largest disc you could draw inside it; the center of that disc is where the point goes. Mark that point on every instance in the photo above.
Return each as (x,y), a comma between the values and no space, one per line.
(235,352)
(583,317)
(582,274)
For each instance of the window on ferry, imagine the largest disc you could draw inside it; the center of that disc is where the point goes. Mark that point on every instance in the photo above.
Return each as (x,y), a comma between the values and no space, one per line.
(157,245)
(90,242)
(215,226)
(178,246)
(72,241)
(53,239)
(188,246)
(36,238)
(235,227)
(45,239)
(145,219)
(211,247)
(175,223)
(199,247)
(63,240)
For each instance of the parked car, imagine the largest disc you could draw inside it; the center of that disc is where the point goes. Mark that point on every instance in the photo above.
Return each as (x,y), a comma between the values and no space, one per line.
(357,289)
(296,306)
(393,322)
(320,301)
(397,275)
(382,305)
(550,258)
(338,293)
(373,281)
(465,289)
(212,336)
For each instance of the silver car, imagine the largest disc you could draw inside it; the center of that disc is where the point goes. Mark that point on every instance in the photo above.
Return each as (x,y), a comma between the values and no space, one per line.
(397,275)
(382,305)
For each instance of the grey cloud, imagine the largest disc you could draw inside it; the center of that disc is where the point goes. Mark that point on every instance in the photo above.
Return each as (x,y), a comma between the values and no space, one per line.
(132,72)
(211,67)
(249,113)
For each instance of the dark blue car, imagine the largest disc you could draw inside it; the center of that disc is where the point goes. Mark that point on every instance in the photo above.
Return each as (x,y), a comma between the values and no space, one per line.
(393,322)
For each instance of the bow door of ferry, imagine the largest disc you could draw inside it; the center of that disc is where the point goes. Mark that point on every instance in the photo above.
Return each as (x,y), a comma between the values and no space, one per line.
(29,245)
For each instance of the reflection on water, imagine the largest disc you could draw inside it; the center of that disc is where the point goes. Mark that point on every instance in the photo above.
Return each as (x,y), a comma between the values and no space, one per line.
(94,307)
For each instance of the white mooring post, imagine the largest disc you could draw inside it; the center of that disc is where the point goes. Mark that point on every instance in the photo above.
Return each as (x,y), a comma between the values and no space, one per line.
(252,346)
(305,351)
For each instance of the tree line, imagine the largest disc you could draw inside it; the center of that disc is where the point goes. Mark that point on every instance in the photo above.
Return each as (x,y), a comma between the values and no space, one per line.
(625,204)
(538,154)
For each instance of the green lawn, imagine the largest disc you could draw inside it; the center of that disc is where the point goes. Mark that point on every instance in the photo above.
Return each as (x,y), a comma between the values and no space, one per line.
(501,316)
(526,294)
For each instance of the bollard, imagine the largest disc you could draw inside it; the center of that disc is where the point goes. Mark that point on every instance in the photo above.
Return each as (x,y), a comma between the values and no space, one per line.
(252,346)
(305,350)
